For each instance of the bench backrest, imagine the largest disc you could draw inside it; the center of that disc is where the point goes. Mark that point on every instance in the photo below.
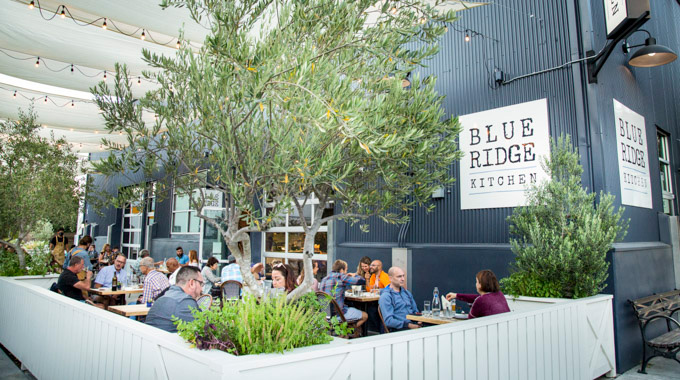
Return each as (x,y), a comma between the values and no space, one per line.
(649,307)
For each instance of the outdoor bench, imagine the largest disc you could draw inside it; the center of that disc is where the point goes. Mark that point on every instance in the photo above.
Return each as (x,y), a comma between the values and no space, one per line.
(659,307)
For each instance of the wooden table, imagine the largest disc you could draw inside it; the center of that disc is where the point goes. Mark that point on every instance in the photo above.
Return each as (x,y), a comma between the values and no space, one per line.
(130,310)
(109,292)
(432,320)
(364,297)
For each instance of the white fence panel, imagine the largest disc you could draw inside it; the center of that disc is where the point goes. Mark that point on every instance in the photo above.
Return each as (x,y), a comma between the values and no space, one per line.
(56,337)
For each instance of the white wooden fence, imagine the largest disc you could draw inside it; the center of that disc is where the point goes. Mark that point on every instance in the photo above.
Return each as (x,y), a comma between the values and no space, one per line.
(59,338)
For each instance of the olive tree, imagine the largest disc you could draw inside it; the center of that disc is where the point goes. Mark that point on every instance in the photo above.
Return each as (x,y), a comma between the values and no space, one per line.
(286,100)
(37,181)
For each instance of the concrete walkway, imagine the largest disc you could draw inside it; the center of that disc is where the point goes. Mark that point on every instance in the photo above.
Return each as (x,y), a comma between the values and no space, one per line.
(10,371)
(657,369)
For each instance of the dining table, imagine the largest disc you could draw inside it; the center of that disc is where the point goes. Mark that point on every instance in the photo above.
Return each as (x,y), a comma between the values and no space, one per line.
(436,319)
(130,310)
(363,301)
(107,292)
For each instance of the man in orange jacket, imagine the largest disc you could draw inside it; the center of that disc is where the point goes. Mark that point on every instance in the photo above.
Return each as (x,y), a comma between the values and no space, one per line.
(379,279)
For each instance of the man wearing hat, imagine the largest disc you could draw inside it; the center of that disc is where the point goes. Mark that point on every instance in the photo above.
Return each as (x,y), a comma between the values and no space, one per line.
(233,271)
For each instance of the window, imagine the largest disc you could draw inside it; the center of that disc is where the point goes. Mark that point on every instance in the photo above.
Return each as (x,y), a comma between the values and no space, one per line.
(184,219)
(131,239)
(284,241)
(665,173)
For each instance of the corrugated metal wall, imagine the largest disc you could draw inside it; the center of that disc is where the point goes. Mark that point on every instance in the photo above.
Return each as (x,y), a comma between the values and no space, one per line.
(517,37)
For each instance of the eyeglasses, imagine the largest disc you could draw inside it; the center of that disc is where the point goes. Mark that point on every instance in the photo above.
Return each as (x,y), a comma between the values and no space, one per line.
(199,281)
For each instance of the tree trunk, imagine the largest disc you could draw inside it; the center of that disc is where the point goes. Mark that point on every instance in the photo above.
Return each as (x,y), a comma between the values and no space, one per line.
(250,285)
(306,284)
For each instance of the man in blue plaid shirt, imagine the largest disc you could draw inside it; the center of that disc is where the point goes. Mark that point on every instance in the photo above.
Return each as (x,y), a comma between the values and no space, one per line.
(336,283)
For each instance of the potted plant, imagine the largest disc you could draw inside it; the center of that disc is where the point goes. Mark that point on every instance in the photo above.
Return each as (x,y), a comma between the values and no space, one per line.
(561,237)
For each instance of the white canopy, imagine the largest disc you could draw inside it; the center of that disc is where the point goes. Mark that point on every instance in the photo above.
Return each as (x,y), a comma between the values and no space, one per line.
(26,34)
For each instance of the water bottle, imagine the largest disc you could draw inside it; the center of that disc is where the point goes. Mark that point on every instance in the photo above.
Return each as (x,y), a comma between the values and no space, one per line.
(436,303)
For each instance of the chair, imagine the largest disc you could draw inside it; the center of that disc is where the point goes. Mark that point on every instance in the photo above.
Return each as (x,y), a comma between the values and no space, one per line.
(204,302)
(382,321)
(332,309)
(231,290)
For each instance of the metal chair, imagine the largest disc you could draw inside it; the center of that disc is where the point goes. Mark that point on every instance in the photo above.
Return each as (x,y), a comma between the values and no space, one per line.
(231,290)
(204,302)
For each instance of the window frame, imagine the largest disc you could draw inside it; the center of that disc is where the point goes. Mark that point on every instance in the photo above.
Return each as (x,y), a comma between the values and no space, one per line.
(665,167)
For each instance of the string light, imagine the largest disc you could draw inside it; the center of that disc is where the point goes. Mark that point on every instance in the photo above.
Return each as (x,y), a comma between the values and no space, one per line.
(45,98)
(72,103)
(70,129)
(37,62)
(139,80)
(177,45)
(467,35)
(143,35)
(15,94)
(71,67)
(63,12)
(104,24)
(104,75)
(31,5)
(393,10)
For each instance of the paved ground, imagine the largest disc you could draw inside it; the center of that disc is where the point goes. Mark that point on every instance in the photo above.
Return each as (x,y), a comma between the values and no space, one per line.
(657,369)
(10,371)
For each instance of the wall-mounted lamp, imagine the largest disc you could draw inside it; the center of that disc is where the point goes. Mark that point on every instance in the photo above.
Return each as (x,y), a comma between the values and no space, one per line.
(651,55)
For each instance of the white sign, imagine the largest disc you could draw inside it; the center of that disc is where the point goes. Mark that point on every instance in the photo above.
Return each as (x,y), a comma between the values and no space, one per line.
(615,12)
(503,150)
(631,145)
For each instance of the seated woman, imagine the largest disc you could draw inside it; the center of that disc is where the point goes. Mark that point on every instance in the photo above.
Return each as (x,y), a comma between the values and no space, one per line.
(209,275)
(283,277)
(490,299)
(193,258)
(315,282)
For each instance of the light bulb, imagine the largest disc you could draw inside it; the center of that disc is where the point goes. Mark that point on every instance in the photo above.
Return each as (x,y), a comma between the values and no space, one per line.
(177,45)
(63,13)
(423,20)
(71,67)
(31,5)
(393,10)
(15,94)
(70,129)
(45,99)
(143,35)
(37,62)
(651,54)
(104,74)
(96,132)
(81,145)
(467,36)
(139,80)
(72,103)
(104,24)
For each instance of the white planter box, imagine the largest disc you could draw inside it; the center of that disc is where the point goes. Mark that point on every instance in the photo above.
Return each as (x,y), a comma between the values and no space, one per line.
(572,339)
(40,281)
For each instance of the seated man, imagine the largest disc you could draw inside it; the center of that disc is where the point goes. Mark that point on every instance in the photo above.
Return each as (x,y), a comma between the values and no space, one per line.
(177,301)
(155,282)
(379,279)
(336,283)
(231,271)
(105,276)
(68,281)
(396,302)
(173,267)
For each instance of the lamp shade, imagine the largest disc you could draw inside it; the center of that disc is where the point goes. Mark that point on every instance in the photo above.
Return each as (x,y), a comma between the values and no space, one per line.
(652,55)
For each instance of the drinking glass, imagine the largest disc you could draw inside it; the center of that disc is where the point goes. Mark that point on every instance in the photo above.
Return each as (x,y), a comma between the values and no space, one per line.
(426,308)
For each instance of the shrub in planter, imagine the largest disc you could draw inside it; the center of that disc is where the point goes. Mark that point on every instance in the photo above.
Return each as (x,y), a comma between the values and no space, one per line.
(562,235)
(253,326)
(37,262)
